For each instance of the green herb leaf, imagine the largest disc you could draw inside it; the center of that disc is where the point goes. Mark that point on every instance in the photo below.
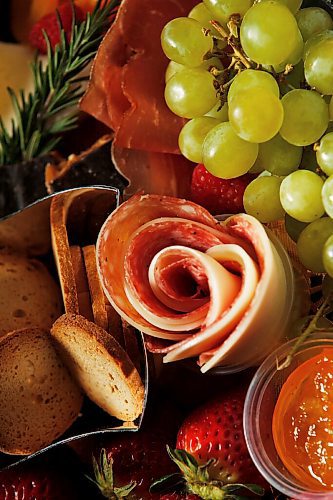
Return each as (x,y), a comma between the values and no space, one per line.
(44,114)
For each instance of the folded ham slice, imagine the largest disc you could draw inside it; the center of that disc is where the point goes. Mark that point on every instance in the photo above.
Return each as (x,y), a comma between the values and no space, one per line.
(213,290)
(126,92)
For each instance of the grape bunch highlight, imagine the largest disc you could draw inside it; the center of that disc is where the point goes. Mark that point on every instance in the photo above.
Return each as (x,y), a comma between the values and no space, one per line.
(254,79)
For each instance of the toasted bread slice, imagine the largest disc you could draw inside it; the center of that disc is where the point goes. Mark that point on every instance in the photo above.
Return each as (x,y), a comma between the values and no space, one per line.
(114,325)
(96,291)
(28,294)
(39,399)
(100,366)
(61,251)
(82,288)
(131,345)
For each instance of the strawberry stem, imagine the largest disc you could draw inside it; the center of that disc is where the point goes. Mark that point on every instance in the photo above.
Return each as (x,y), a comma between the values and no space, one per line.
(199,483)
(104,480)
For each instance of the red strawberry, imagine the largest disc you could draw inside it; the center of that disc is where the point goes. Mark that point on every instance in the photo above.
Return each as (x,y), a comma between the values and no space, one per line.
(138,457)
(213,434)
(54,476)
(50,25)
(219,196)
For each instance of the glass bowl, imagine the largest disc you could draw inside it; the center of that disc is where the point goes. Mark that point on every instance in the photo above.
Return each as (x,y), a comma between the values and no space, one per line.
(258,412)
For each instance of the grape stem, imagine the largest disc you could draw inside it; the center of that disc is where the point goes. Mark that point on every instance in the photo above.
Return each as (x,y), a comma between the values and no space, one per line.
(227,36)
(311,328)
(229,82)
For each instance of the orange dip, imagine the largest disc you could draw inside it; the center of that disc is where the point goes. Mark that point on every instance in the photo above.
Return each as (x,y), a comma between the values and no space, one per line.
(303,422)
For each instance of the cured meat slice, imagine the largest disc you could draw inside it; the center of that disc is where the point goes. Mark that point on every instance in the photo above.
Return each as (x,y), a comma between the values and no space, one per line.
(155,173)
(201,287)
(126,91)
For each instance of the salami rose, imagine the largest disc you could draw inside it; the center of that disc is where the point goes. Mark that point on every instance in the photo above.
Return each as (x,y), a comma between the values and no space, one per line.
(197,287)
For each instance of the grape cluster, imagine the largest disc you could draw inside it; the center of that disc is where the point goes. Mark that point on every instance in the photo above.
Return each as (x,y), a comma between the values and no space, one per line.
(255,80)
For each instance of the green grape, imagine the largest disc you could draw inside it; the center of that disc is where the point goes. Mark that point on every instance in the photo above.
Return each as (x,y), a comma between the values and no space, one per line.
(192,136)
(293,5)
(201,14)
(174,67)
(184,42)
(305,117)
(313,20)
(269,33)
(252,78)
(218,112)
(264,173)
(225,154)
(293,227)
(327,196)
(309,160)
(190,93)
(223,9)
(256,114)
(300,195)
(311,241)
(318,66)
(330,108)
(278,156)
(315,40)
(327,256)
(262,199)
(329,128)
(257,168)
(324,154)
(212,62)
(294,57)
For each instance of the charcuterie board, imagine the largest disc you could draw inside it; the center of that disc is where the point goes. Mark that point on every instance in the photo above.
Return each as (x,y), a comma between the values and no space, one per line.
(166,249)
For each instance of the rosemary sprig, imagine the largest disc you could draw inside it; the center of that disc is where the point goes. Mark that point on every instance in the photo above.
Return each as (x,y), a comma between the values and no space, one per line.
(310,328)
(51,108)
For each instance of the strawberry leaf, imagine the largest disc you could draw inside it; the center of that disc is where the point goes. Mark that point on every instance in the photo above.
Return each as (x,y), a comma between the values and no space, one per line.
(104,480)
(253,488)
(171,482)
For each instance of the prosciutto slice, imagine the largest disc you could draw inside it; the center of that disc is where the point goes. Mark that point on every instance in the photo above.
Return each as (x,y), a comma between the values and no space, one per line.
(126,92)
(195,286)
(155,173)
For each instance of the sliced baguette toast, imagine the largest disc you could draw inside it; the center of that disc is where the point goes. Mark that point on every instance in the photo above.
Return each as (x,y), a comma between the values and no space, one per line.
(39,400)
(81,282)
(131,345)
(28,294)
(61,252)
(95,288)
(100,366)
(104,314)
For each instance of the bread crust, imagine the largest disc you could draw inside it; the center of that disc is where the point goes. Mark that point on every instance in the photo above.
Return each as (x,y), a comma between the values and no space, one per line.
(29,296)
(81,282)
(104,362)
(61,252)
(39,400)
(95,288)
